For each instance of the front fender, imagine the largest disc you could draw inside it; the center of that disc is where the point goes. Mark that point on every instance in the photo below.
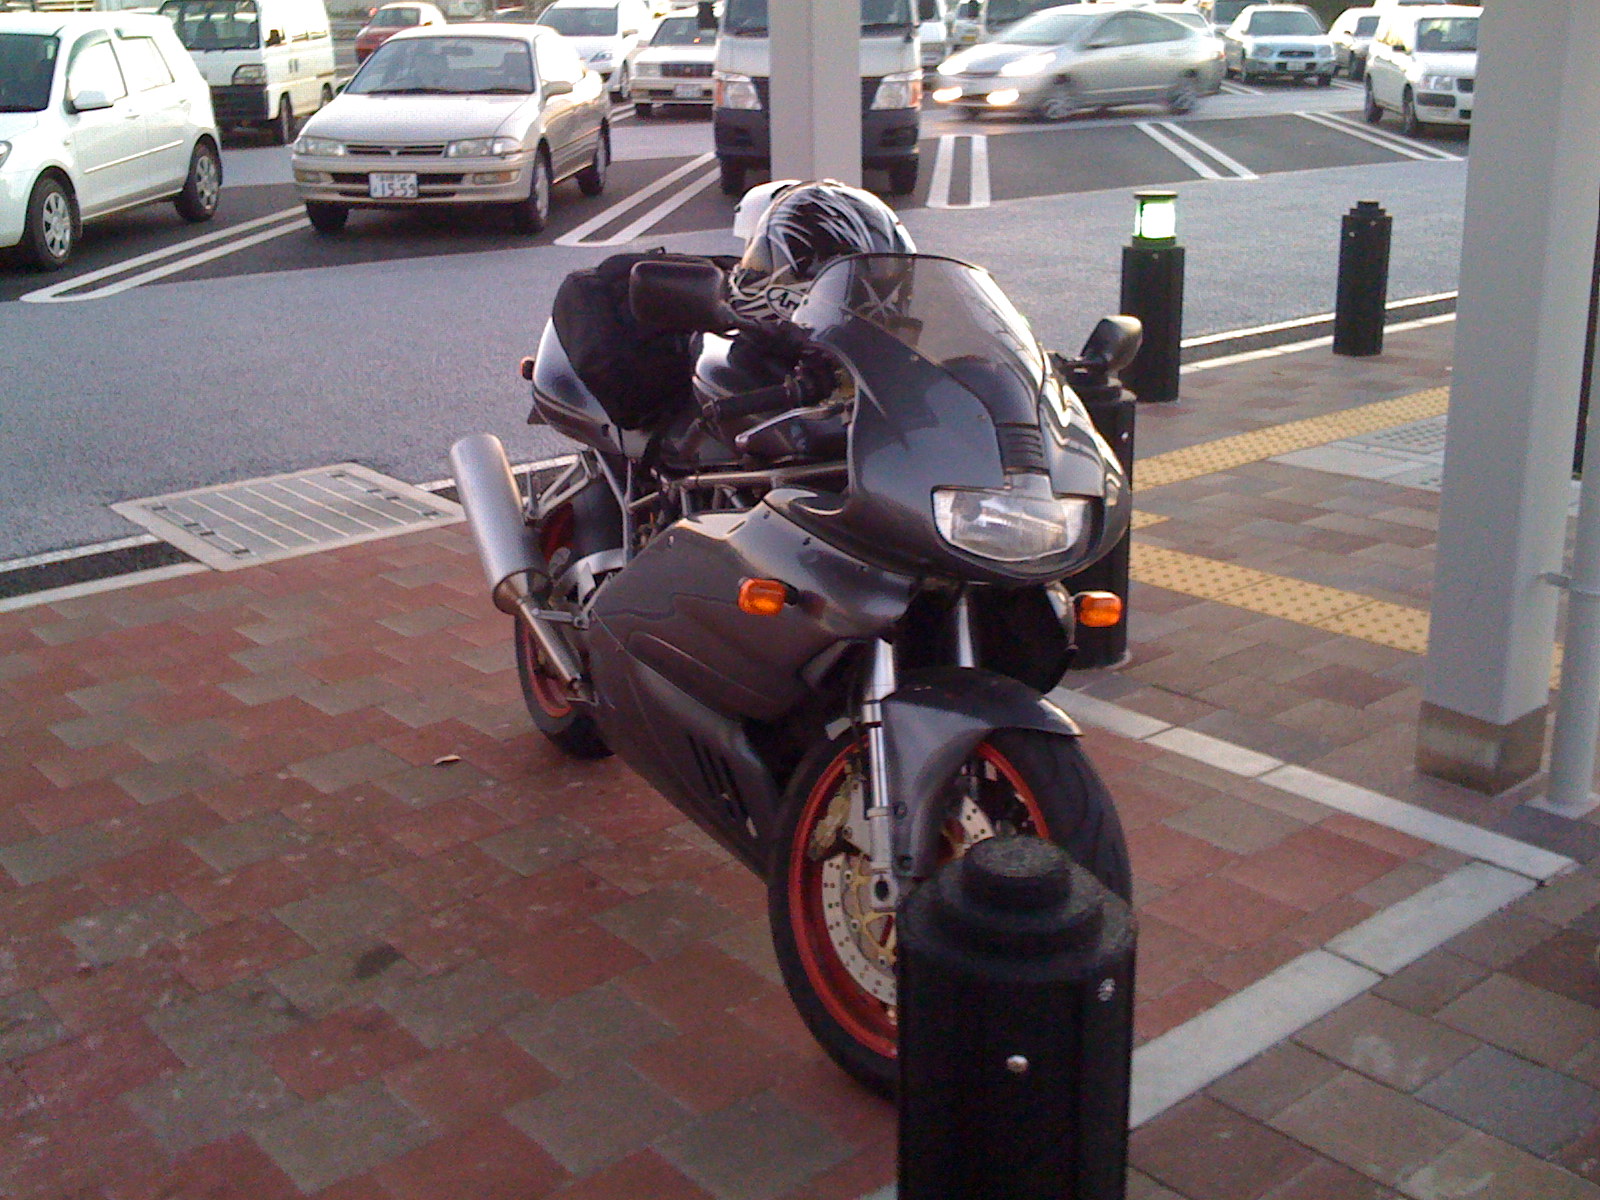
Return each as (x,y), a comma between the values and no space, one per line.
(931,724)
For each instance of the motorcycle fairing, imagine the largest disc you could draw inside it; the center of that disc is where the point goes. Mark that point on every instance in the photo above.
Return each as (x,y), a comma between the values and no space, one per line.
(562,402)
(931,725)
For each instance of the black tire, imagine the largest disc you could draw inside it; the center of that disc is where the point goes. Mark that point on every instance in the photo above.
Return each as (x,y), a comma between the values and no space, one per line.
(574,733)
(643,109)
(731,177)
(1059,103)
(50,231)
(1409,124)
(283,126)
(1358,69)
(850,1018)
(202,188)
(1372,110)
(1183,95)
(326,217)
(1324,80)
(533,214)
(903,177)
(592,179)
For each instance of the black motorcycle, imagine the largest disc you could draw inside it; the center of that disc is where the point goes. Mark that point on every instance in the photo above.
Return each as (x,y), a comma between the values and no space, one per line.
(826,637)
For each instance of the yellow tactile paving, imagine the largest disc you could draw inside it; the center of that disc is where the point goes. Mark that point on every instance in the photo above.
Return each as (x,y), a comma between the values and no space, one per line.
(1226,453)
(1143,520)
(1384,623)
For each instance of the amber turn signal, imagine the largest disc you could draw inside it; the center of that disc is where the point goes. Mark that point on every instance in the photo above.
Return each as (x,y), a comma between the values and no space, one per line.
(525,368)
(763,597)
(1098,610)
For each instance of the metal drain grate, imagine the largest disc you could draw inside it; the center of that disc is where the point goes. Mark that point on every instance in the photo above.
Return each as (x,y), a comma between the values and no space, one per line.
(1419,437)
(241,524)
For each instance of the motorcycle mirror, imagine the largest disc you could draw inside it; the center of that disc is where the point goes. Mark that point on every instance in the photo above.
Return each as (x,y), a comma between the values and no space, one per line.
(1112,344)
(684,297)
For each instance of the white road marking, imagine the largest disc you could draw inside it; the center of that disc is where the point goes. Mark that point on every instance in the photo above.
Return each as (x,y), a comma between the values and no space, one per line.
(672,203)
(1233,335)
(578,236)
(1240,89)
(53,293)
(944,171)
(1164,133)
(1382,137)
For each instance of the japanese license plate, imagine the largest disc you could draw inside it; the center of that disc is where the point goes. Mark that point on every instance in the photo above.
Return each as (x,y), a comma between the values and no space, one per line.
(688,91)
(392,185)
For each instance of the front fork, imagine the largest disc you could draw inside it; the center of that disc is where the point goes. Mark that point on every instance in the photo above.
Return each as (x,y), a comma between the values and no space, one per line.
(875,811)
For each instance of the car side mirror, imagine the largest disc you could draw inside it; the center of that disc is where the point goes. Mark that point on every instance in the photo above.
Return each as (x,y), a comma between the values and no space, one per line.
(275,37)
(89,100)
(683,297)
(557,87)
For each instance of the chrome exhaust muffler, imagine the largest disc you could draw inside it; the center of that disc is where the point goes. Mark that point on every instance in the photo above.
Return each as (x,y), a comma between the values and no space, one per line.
(511,560)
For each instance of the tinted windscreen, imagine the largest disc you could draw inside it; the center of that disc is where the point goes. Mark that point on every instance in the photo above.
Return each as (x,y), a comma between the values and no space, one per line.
(1447,35)
(1366,26)
(1280,24)
(27,65)
(749,17)
(215,24)
(682,31)
(1047,29)
(402,17)
(446,66)
(581,22)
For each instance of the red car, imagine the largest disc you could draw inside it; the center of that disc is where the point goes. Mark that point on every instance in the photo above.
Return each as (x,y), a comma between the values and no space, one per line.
(391,19)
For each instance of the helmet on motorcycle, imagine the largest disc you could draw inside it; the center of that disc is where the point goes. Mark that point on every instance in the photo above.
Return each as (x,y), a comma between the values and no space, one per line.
(753,206)
(806,227)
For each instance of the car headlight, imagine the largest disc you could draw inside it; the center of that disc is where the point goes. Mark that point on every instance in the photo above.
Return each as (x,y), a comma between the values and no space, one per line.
(250,73)
(1437,83)
(600,58)
(1018,524)
(319,147)
(1032,64)
(736,91)
(903,89)
(5,149)
(500,147)
(646,70)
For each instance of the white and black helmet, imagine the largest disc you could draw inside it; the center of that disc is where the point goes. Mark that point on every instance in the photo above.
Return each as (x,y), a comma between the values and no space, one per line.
(805,227)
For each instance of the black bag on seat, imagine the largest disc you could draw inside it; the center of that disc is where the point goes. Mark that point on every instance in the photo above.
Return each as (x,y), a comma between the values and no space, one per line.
(639,373)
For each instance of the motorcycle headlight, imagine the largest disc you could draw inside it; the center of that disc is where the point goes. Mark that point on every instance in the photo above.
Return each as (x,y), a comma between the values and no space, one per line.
(736,91)
(250,73)
(900,90)
(1032,64)
(1018,524)
(319,147)
(499,147)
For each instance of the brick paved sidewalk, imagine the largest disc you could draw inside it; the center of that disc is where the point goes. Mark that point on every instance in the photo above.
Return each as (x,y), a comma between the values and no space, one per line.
(296,903)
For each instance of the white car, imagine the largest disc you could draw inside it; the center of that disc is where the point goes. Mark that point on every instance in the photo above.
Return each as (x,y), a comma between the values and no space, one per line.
(98,112)
(1188,14)
(676,67)
(605,32)
(1352,33)
(1423,64)
(1279,40)
(458,114)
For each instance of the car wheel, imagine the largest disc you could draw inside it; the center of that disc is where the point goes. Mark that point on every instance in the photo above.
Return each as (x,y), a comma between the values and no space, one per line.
(1325,80)
(592,179)
(1358,69)
(326,217)
(283,127)
(731,176)
(1182,96)
(1373,111)
(203,186)
(903,177)
(1060,102)
(51,231)
(533,214)
(643,109)
(1410,125)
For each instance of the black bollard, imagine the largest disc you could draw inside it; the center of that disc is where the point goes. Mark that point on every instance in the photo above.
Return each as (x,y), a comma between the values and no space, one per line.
(1112,411)
(1152,290)
(1363,280)
(1015,1029)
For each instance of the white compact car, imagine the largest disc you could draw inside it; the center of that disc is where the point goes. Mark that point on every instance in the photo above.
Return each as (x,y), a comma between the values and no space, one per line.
(676,67)
(605,33)
(1279,40)
(1423,64)
(99,112)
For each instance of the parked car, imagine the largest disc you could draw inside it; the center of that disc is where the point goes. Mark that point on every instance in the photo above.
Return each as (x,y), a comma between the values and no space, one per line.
(1423,64)
(605,33)
(458,114)
(1222,13)
(1187,14)
(933,32)
(1352,33)
(99,112)
(1067,59)
(676,66)
(1279,40)
(390,20)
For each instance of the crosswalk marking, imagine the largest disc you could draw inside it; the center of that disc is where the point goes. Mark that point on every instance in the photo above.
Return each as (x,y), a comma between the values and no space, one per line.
(939,187)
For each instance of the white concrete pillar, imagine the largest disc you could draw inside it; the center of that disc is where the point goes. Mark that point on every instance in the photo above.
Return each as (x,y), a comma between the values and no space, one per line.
(1533,189)
(816,89)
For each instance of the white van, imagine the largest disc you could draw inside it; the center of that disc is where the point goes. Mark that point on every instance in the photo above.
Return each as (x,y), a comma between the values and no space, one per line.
(604,32)
(269,62)
(933,32)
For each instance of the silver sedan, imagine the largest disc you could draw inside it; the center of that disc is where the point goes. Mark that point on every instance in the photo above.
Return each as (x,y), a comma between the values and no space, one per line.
(1063,60)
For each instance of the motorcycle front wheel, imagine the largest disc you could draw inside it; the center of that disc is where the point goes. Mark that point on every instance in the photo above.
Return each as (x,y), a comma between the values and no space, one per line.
(836,952)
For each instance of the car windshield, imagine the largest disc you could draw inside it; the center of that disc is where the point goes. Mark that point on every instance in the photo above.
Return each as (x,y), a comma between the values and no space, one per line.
(581,22)
(1192,19)
(446,66)
(1277,24)
(1047,29)
(1224,11)
(683,31)
(397,17)
(748,18)
(27,65)
(215,24)
(1366,26)
(1447,35)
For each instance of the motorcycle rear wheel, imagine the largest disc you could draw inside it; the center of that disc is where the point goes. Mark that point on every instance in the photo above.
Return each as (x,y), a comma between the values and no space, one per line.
(837,955)
(574,733)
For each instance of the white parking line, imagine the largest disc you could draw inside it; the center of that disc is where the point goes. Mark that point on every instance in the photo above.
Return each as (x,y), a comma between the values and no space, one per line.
(1164,133)
(576,237)
(944,171)
(671,204)
(1383,138)
(54,293)
(1240,89)
(1348,85)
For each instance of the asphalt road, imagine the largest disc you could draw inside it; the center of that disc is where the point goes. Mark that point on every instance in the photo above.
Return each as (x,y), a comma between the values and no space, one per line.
(169,357)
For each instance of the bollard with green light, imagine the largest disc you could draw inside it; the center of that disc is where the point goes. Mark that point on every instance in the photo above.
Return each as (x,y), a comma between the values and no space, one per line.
(1152,290)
